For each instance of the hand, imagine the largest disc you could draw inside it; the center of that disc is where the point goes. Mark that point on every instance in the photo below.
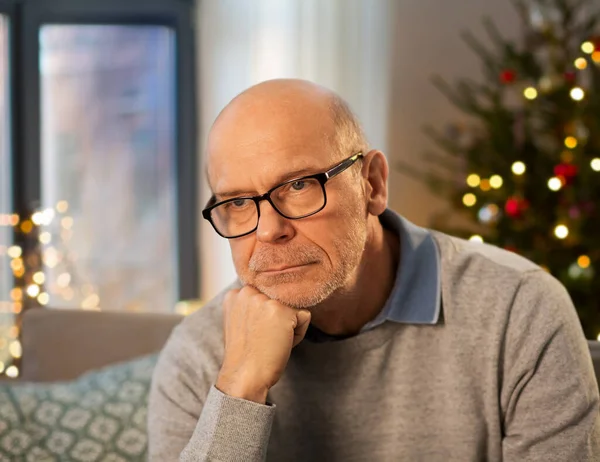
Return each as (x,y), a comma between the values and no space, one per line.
(259,336)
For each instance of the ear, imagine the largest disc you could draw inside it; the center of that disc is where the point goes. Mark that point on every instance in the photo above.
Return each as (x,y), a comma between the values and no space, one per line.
(375,175)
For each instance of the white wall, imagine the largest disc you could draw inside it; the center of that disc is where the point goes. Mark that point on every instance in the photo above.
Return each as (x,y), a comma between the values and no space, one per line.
(378,54)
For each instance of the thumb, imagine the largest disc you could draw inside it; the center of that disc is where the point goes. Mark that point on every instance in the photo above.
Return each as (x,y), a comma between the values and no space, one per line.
(303,320)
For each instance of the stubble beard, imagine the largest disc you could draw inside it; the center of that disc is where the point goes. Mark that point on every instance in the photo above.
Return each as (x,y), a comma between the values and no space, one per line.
(328,280)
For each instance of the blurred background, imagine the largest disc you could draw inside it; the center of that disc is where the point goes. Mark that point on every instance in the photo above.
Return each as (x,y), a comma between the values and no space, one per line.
(490,132)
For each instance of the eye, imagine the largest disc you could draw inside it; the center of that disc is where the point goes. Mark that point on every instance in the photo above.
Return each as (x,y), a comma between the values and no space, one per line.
(239,202)
(298,185)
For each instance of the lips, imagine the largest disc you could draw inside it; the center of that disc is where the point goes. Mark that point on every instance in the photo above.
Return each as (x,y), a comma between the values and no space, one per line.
(284,268)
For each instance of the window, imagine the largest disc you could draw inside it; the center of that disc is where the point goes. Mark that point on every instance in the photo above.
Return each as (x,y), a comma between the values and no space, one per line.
(106,152)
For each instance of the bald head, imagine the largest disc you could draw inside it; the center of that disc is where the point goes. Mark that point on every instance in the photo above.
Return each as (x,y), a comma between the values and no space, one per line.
(285,114)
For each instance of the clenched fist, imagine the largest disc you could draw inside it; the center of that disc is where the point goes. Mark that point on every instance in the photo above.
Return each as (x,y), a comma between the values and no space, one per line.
(259,336)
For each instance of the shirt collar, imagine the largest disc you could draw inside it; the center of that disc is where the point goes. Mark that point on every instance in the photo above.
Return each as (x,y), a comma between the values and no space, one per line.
(416,295)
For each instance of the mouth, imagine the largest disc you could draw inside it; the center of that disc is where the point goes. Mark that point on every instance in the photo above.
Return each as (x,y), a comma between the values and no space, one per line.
(286,269)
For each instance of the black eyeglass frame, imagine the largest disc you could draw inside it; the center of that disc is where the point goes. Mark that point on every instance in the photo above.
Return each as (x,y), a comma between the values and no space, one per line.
(322,178)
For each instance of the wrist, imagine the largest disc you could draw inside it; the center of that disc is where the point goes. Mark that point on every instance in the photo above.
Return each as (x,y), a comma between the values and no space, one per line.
(243,389)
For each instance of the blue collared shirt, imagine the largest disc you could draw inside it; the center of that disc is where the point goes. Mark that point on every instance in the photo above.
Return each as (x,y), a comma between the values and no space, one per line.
(416,295)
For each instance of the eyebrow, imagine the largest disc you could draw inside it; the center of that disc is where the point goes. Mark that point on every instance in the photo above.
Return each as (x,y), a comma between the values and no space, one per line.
(219,196)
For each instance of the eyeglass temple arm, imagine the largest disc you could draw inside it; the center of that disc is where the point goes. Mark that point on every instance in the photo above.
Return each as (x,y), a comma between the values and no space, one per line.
(343,166)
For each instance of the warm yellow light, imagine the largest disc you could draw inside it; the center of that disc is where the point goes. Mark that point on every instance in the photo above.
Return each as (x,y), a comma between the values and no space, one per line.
(518,168)
(469,199)
(587,47)
(496,181)
(530,93)
(13,332)
(581,63)
(63,280)
(14,251)
(485,185)
(584,261)
(554,183)
(476,238)
(33,290)
(14,220)
(595,164)
(67,222)
(571,142)
(45,237)
(561,231)
(91,302)
(62,206)
(26,226)
(15,349)
(39,278)
(12,372)
(16,294)
(473,180)
(596,56)
(43,298)
(37,218)
(17,307)
(577,93)
(17,265)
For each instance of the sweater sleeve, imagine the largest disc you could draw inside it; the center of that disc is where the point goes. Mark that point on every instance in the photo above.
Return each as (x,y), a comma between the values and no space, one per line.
(549,393)
(190,420)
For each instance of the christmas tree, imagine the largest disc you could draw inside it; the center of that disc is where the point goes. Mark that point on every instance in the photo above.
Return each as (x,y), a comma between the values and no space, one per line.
(529,157)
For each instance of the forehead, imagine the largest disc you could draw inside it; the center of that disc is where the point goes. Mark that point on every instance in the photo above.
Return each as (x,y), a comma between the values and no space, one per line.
(254,153)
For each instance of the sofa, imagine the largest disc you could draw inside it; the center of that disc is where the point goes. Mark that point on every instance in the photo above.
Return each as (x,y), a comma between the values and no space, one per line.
(82,393)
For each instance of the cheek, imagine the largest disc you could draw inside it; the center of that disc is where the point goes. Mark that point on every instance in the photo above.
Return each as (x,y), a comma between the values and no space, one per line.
(241,252)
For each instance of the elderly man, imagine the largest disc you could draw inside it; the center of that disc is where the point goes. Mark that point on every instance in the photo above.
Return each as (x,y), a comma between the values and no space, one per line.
(352,334)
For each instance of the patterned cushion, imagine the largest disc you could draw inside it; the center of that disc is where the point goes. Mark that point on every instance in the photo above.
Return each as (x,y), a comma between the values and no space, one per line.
(99,417)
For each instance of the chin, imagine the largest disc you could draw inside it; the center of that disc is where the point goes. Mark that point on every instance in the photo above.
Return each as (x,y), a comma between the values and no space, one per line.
(299,293)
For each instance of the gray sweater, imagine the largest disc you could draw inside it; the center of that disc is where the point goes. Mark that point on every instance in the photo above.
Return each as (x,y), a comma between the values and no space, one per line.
(505,375)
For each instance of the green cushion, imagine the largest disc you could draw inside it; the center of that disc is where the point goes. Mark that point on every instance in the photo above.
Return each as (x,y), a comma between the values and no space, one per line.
(99,417)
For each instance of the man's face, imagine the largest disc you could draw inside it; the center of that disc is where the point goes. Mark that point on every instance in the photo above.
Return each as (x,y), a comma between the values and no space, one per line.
(297,262)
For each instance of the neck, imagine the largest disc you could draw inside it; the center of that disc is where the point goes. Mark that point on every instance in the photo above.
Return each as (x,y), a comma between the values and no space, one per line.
(349,309)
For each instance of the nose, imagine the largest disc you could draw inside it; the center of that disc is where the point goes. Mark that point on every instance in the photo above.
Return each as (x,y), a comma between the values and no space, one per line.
(272,227)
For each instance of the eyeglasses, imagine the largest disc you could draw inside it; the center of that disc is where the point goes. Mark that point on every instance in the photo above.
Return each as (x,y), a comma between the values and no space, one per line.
(293,199)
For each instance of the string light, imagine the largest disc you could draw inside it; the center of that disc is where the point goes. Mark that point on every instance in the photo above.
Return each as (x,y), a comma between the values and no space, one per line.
(518,168)
(469,199)
(485,185)
(62,206)
(63,280)
(561,231)
(596,56)
(12,372)
(91,302)
(584,261)
(15,349)
(45,237)
(33,290)
(571,142)
(473,180)
(496,181)
(16,294)
(37,218)
(26,226)
(587,47)
(43,298)
(39,278)
(66,222)
(14,220)
(14,251)
(554,183)
(595,164)
(577,94)
(476,238)
(530,93)
(581,63)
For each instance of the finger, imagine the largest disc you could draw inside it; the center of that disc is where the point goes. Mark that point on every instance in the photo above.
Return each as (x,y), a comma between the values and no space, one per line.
(303,321)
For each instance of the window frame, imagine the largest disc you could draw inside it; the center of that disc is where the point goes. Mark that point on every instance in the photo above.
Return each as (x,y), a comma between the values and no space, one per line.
(176,14)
